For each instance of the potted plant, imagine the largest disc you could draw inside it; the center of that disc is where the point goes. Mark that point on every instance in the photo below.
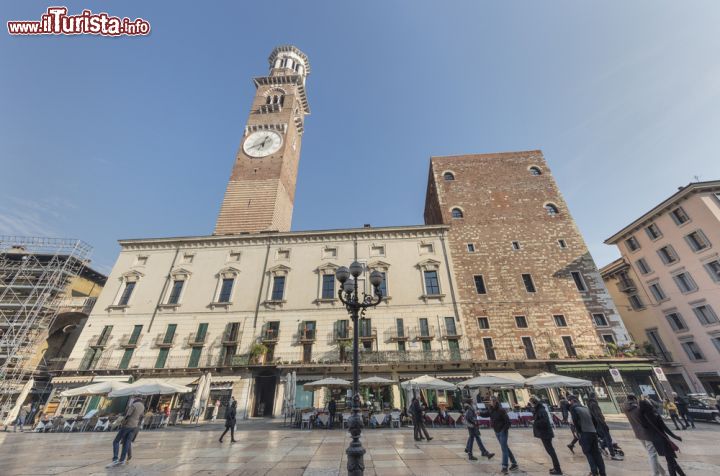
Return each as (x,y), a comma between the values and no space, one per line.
(343,347)
(554,355)
(257,353)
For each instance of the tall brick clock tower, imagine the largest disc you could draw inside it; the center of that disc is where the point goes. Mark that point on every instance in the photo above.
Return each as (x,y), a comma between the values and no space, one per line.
(261,190)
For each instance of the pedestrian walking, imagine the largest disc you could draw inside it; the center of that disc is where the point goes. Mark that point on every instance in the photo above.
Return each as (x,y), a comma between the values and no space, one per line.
(682,405)
(672,410)
(564,408)
(658,433)
(216,410)
(632,411)
(575,439)
(125,434)
(585,426)
(542,429)
(418,420)
(20,420)
(332,409)
(230,420)
(602,428)
(474,433)
(500,422)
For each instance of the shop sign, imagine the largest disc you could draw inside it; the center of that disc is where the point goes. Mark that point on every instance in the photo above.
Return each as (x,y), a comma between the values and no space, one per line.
(615,374)
(659,374)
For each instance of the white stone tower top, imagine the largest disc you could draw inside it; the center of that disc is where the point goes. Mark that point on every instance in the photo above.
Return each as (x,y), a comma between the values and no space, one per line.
(288,57)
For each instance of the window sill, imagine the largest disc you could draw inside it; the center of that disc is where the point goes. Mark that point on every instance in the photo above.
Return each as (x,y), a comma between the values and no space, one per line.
(225,305)
(274,302)
(326,300)
(118,307)
(169,306)
(427,297)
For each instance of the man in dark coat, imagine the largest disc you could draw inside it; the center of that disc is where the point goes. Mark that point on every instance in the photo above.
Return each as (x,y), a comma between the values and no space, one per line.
(474,433)
(682,405)
(500,422)
(631,408)
(230,420)
(332,408)
(416,411)
(542,429)
(585,426)
(658,433)
(603,430)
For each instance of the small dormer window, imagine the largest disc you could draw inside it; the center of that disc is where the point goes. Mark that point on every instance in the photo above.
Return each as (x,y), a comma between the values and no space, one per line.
(457,213)
(448,176)
(535,170)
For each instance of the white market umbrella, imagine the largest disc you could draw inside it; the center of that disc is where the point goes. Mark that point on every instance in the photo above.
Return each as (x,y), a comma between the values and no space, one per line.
(550,380)
(492,381)
(97,388)
(376,381)
(330,382)
(149,387)
(12,415)
(426,382)
(198,392)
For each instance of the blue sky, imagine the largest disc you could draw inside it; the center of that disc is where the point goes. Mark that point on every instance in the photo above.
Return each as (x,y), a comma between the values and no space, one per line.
(109,138)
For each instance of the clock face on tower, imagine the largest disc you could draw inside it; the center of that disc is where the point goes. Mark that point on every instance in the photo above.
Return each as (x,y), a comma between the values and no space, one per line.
(262,143)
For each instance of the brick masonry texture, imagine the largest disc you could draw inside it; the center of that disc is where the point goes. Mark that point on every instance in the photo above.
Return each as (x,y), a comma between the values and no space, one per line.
(261,191)
(503,202)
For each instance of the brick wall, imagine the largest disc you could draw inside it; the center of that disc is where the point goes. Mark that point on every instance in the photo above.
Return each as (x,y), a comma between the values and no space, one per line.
(502,202)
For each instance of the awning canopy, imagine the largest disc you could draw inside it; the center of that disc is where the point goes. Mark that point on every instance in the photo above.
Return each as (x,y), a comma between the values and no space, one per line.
(550,380)
(583,368)
(492,381)
(330,382)
(72,379)
(428,382)
(182,381)
(112,378)
(376,381)
(149,387)
(98,388)
(225,378)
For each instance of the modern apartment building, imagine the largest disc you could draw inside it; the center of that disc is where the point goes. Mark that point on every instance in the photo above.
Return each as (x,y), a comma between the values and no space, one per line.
(667,284)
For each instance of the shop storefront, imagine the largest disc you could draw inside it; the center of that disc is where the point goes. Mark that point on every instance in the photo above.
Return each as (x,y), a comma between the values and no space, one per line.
(612,382)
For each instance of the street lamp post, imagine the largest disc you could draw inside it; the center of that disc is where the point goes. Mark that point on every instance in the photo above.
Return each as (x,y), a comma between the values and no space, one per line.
(356,307)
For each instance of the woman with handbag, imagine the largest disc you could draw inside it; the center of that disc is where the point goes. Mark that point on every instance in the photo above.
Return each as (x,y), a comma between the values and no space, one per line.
(659,432)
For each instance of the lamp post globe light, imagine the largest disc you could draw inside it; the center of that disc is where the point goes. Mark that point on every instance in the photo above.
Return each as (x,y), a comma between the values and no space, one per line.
(356,307)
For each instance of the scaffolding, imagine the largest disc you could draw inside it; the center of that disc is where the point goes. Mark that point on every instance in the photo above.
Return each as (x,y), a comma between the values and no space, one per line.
(34,274)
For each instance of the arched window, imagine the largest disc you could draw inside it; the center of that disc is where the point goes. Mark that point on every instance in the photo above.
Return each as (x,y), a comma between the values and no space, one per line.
(268,100)
(448,176)
(551,209)
(282,100)
(275,99)
(535,170)
(457,213)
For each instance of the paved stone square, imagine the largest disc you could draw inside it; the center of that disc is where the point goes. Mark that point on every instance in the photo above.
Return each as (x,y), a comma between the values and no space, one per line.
(266,447)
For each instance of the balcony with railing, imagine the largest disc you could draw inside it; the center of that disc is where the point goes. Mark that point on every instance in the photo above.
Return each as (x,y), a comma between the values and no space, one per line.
(130,341)
(450,332)
(77,304)
(270,335)
(164,340)
(626,284)
(398,334)
(342,334)
(306,336)
(196,339)
(366,333)
(230,338)
(99,341)
(425,333)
